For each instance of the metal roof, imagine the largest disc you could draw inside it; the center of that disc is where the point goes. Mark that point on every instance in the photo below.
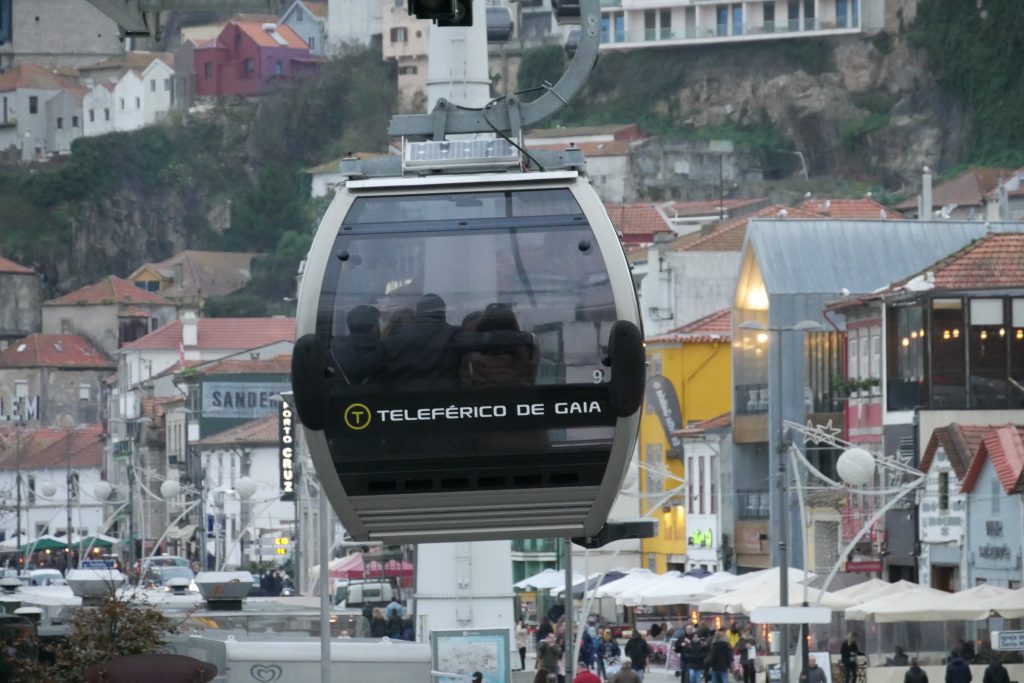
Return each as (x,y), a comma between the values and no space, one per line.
(826,256)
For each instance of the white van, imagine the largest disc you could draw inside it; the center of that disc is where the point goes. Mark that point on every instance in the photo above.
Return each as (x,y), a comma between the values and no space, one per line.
(358,594)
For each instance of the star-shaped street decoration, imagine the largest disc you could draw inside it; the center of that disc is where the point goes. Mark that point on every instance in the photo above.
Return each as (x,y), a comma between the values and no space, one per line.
(819,434)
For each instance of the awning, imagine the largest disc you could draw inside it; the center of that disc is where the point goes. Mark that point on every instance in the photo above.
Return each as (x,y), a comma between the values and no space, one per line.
(43,543)
(547,579)
(99,541)
(356,566)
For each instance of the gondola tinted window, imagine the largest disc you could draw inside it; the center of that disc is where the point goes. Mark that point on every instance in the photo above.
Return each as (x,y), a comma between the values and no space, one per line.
(467,325)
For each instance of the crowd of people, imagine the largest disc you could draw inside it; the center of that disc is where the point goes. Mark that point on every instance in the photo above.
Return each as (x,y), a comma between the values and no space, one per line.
(706,655)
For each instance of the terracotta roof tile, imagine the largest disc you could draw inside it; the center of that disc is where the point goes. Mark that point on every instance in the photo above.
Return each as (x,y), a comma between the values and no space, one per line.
(859,209)
(729,236)
(967,189)
(960,442)
(638,221)
(714,327)
(230,366)
(994,261)
(136,60)
(54,351)
(263,38)
(1005,448)
(9,266)
(203,273)
(710,207)
(109,290)
(221,333)
(51,448)
(38,78)
(261,431)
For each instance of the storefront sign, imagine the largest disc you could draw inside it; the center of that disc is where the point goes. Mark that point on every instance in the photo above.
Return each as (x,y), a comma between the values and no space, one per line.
(1008,640)
(702,539)
(663,400)
(240,400)
(995,552)
(286,449)
(864,566)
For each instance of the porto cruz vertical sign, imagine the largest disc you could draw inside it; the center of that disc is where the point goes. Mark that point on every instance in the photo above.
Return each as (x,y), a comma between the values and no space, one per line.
(662,398)
(286,449)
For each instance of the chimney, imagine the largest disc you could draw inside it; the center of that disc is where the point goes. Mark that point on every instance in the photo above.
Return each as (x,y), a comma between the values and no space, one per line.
(1004,202)
(926,195)
(189,329)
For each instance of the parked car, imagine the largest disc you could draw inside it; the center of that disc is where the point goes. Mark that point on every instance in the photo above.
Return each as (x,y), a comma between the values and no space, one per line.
(46,577)
(358,594)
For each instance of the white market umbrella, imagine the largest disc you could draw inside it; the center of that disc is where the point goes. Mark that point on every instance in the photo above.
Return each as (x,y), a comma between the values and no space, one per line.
(867,590)
(676,591)
(909,604)
(549,578)
(744,600)
(631,580)
(651,582)
(764,576)
(1009,605)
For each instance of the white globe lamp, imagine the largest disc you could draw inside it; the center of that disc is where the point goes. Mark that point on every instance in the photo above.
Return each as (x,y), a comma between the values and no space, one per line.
(246,488)
(102,490)
(856,466)
(170,489)
(47,490)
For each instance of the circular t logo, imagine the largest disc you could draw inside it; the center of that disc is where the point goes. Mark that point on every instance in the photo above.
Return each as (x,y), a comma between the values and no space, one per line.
(357,416)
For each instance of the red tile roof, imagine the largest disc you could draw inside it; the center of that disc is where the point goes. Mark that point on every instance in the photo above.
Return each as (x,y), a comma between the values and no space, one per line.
(261,431)
(729,236)
(273,366)
(136,60)
(51,448)
(992,262)
(960,442)
(36,77)
(54,351)
(638,221)
(221,333)
(1005,448)
(710,207)
(109,290)
(263,38)
(851,209)
(967,189)
(714,327)
(9,266)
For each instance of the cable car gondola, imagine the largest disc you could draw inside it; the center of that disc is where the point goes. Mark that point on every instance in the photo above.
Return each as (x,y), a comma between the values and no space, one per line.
(470,363)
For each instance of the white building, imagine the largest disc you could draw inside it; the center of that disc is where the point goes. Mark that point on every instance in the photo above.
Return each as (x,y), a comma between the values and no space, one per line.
(49,460)
(309,20)
(249,450)
(128,92)
(353,22)
(39,112)
(157,91)
(98,109)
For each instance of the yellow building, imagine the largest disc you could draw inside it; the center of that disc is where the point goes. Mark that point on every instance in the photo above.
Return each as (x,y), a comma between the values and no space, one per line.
(689,380)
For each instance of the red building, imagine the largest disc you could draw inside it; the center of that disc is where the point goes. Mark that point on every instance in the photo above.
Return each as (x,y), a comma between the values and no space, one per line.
(248,57)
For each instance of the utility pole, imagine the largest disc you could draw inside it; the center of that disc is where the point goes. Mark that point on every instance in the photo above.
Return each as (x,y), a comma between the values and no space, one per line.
(67,460)
(17,459)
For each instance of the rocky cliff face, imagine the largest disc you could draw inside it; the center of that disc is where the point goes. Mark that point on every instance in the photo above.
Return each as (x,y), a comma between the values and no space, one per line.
(858,107)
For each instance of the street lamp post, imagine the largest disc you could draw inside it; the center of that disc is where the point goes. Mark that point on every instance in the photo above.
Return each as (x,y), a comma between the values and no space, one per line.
(781,450)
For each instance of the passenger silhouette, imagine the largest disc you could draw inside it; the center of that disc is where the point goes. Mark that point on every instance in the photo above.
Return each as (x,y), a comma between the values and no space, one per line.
(360,354)
(502,355)
(421,354)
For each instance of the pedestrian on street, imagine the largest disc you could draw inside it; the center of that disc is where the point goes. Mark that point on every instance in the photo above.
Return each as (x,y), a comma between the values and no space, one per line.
(915,674)
(720,658)
(378,624)
(608,654)
(626,674)
(996,673)
(548,654)
(695,654)
(586,676)
(638,652)
(748,656)
(957,670)
(477,677)
(848,654)
(522,635)
(815,674)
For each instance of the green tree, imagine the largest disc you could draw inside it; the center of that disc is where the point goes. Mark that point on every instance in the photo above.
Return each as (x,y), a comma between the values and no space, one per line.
(538,66)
